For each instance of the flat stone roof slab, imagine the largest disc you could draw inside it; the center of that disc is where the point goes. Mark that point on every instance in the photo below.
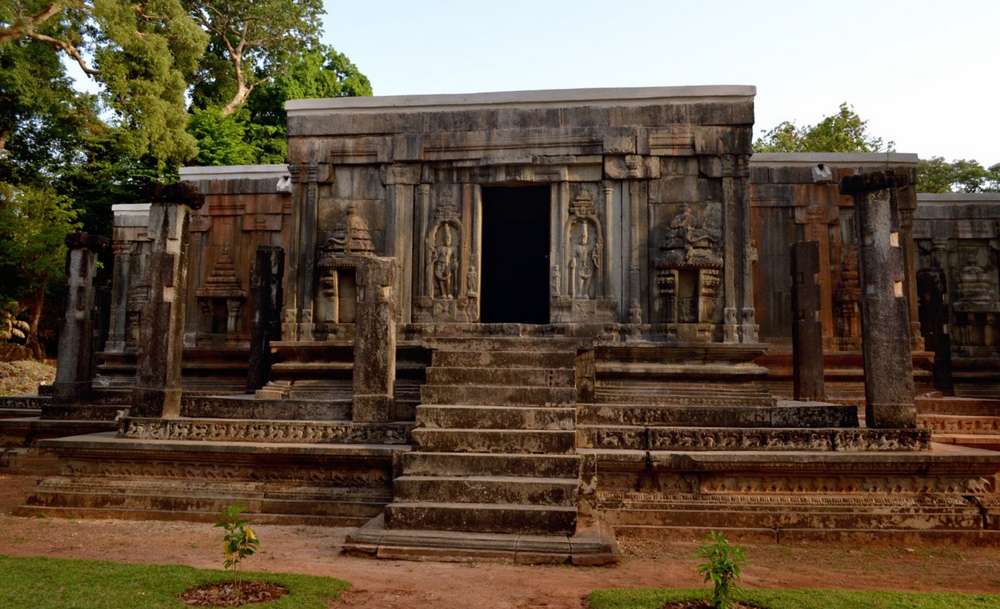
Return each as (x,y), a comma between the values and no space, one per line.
(539,98)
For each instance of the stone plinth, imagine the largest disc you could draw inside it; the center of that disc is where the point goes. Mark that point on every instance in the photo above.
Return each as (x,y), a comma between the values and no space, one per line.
(268,272)
(158,376)
(884,308)
(76,363)
(807,331)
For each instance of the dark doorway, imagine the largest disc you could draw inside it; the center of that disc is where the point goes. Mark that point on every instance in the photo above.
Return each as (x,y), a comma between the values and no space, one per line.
(515,279)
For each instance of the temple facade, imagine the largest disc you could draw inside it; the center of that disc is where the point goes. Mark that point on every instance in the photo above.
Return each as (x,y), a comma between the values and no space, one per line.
(514,325)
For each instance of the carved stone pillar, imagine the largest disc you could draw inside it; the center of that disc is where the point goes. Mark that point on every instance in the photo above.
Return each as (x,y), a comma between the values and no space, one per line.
(119,297)
(76,364)
(157,390)
(266,292)
(909,275)
(807,331)
(375,341)
(307,253)
(885,320)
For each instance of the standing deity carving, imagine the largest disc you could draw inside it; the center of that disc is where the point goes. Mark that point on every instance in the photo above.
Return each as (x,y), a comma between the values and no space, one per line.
(585,251)
(444,266)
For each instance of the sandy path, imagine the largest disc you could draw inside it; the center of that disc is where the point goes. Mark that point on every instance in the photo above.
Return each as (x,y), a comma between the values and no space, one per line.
(401,584)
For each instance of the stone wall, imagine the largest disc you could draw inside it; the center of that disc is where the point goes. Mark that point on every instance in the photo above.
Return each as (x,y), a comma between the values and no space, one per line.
(958,243)
(245,206)
(647,203)
(795,197)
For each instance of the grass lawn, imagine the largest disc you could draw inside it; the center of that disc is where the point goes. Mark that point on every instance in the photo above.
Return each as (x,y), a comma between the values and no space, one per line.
(653,598)
(55,583)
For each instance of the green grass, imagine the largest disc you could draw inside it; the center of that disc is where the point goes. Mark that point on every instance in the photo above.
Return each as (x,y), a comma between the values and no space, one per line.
(53,583)
(654,598)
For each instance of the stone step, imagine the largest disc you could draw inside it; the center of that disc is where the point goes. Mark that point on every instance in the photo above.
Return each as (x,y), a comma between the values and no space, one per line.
(431,416)
(264,430)
(507,343)
(503,359)
(750,439)
(482,518)
(247,407)
(787,517)
(486,489)
(664,394)
(496,395)
(586,547)
(543,377)
(785,414)
(188,501)
(959,424)
(958,406)
(473,464)
(971,440)
(514,441)
(84,412)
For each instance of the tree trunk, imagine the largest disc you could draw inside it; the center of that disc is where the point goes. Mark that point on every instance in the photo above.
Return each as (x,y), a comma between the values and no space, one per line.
(37,304)
(240,98)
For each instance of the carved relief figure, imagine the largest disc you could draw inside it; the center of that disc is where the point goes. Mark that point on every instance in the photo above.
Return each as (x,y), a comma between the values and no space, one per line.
(585,249)
(443,262)
(975,289)
(583,265)
(693,238)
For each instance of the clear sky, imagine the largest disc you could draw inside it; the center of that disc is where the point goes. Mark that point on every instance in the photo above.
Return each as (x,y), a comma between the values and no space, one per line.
(926,74)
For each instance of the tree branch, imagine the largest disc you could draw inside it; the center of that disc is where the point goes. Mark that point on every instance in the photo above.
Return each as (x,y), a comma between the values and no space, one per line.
(22,27)
(68,48)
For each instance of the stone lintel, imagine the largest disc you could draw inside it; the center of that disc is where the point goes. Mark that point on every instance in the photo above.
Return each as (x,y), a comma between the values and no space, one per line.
(865,183)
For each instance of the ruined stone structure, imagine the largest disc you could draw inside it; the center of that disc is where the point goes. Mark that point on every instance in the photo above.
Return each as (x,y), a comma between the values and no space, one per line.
(958,244)
(514,325)
(795,197)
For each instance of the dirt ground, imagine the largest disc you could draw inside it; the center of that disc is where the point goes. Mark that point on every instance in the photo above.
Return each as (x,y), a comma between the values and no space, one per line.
(24,376)
(431,585)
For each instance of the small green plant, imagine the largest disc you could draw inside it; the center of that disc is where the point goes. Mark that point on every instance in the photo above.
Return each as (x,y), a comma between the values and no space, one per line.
(721,567)
(238,542)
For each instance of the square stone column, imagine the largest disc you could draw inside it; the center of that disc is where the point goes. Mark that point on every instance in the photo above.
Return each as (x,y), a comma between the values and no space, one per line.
(266,292)
(76,358)
(885,315)
(807,330)
(375,340)
(157,391)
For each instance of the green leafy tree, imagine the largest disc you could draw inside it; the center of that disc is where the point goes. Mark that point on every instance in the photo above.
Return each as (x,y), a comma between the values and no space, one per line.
(844,131)
(34,222)
(143,56)
(963,175)
(257,133)
(251,40)
(722,567)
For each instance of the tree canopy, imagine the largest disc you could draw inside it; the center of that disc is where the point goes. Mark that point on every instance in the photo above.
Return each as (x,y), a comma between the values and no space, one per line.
(251,41)
(67,156)
(143,55)
(843,131)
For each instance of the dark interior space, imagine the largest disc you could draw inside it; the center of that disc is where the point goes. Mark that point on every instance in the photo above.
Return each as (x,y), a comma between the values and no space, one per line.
(515,281)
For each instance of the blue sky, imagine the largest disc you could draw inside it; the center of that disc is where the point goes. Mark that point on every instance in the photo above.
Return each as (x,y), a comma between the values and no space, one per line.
(925,74)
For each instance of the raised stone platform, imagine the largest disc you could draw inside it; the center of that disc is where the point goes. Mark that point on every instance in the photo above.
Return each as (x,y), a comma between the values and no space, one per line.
(943,493)
(106,476)
(961,421)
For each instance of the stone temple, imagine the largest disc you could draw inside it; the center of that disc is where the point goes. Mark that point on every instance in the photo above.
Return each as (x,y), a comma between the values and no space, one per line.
(515,326)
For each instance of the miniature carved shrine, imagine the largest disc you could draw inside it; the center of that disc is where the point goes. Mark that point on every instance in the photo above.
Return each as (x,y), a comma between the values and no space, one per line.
(512,325)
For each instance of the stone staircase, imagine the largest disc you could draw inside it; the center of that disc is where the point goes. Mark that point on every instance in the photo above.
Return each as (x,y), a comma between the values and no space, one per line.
(962,421)
(494,465)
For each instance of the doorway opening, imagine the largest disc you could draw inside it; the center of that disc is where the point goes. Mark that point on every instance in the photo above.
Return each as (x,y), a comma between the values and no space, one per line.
(515,279)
